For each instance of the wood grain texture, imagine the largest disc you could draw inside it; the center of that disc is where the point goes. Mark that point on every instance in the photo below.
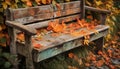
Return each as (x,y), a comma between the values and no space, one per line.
(99,44)
(13,48)
(103,17)
(45,23)
(28,48)
(19,26)
(97,10)
(54,46)
(38,13)
(65,46)
(46,16)
(49,41)
(82,6)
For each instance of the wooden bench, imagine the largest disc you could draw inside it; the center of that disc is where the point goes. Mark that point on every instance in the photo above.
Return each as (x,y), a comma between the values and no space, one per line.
(29,19)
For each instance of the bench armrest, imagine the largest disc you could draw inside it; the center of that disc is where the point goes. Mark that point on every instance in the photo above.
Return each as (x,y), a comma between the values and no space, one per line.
(19,26)
(97,10)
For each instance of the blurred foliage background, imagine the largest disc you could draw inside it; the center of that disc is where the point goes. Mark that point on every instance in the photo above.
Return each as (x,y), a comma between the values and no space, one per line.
(113,20)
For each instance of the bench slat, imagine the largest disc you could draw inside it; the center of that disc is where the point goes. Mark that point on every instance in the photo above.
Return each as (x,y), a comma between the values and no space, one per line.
(45,23)
(48,16)
(33,14)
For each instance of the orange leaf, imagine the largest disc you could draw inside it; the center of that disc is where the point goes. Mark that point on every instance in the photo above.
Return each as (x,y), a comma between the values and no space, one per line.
(79,22)
(99,63)
(37,46)
(44,1)
(109,51)
(21,37)
(89,17)
(100,52)
(58,6)
(87,64)
(49,1)
(112,67)
(71,55)
(29,3)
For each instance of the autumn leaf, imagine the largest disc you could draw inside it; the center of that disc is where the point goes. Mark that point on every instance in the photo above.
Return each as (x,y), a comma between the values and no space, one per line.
(100,52)
(49,1)
(71,55)
(58,6)
(44,1)
(67,0)
(24,1)
(98,2)
(99,63)
(0,28)
(37,46)
(38,2)
(112,67)
(4,5)
(8,2)
(29,3)
(87,64)
(80,22)
(21,37)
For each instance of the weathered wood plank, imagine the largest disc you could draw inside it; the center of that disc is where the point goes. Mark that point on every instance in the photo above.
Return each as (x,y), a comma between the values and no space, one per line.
(28,48)
(82,6)
(49,41)
(17,25)
(33,14)
(13,48)
(50,52)
(31,11)
(99,44)
(55,45)
(45,23)
(97,10)
(103,17)
(46,16)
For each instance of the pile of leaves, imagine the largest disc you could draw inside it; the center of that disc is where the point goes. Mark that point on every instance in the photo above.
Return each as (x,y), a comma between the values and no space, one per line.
(108,58)
(56,29)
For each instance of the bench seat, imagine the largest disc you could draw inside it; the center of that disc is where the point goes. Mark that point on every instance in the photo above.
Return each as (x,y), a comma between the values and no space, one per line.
(52,46)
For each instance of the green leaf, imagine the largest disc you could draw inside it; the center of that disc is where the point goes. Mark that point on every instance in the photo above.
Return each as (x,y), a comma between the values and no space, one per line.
(3,40)
(6,55)
(7,65)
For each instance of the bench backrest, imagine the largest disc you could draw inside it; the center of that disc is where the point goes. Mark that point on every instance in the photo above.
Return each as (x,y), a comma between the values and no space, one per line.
(39,16)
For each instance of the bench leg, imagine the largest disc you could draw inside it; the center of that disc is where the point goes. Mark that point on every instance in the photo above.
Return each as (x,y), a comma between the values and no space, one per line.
(28,45)
(13,49)
(99,44)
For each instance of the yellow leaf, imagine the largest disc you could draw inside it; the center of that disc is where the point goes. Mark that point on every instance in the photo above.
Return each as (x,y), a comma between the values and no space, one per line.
(16,1)
(0,28)
(1,9)
(24,0)
(99,3)
(13,5)
(53,2)
(88,3)
(4,5)
(44,1)
(67,0)
(8,2)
